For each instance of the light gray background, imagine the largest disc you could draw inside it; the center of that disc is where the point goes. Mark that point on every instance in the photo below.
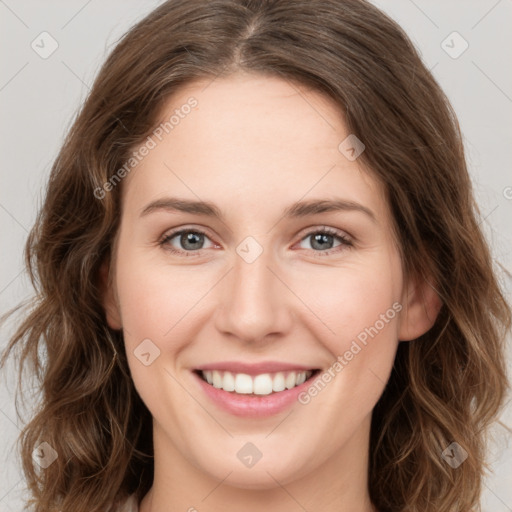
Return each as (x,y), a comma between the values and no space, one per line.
(38,98)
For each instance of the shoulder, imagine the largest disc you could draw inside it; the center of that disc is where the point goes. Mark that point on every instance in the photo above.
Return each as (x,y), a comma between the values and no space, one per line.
(130,505)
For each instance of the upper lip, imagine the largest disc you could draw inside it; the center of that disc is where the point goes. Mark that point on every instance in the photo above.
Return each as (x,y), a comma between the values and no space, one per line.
(254,368)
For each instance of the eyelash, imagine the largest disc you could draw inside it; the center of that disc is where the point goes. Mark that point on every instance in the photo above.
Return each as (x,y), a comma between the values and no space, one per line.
(345,241)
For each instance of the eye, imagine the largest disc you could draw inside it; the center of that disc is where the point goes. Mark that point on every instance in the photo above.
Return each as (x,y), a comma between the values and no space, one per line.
(322,241)
(187,240)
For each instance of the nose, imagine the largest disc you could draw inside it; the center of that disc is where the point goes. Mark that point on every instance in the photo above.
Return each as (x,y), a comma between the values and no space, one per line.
(254,302)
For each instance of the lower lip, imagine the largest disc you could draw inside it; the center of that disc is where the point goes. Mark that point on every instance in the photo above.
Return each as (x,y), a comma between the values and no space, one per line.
(253,406)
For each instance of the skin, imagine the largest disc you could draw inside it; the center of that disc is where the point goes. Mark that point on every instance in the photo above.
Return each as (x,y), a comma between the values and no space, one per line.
(253,146)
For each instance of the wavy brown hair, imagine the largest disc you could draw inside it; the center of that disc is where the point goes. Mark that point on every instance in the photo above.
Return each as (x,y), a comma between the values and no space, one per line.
(447,386)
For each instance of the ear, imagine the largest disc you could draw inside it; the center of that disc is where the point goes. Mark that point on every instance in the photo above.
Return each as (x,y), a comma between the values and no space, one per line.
(109,301)
(421,305)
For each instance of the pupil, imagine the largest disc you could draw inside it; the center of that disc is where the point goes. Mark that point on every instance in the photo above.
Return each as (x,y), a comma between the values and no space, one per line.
(191,238)
(321,238)
(196,238)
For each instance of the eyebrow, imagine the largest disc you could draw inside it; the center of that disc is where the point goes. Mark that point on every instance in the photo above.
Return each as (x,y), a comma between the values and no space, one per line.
(296,210)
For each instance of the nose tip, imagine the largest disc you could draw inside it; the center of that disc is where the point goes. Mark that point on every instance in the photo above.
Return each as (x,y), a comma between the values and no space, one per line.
(252,302)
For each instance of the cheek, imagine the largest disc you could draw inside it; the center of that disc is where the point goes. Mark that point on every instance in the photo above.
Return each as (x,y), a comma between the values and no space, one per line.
(359,314)
(156,301)
(160,308)
(349,303)
(363,312)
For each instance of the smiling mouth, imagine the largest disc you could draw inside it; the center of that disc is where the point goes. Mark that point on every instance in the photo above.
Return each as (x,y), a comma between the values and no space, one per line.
(262,384)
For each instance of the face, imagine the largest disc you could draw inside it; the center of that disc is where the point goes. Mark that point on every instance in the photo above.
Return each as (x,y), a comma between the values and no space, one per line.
(259,284)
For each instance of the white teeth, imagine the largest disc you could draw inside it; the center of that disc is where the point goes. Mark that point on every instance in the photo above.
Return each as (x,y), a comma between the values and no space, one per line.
(228,382)
(278,384)
(243,384)
(263,384)
(291,380)
(217,379)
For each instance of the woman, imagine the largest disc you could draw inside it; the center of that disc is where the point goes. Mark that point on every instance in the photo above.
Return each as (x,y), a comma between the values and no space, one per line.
(261,280)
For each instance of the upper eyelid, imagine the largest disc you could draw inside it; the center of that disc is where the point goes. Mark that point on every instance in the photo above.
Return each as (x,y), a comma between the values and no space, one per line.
(173,232)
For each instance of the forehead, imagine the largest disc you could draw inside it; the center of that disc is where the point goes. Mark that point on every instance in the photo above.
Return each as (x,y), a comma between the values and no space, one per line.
(248,141)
